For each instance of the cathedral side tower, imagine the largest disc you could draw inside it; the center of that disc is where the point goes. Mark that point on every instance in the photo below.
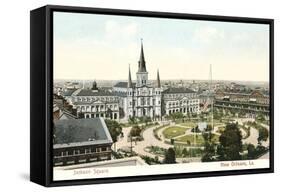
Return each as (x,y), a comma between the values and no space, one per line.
(130,97)
(158,97)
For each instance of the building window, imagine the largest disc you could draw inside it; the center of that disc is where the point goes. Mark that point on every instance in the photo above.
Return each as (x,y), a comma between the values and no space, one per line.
(142,101)
(64,153)
(104,149)
(98,150)
(76,152)
(87,150)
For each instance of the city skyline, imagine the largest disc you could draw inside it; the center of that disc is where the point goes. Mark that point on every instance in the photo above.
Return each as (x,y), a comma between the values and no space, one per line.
(89,46)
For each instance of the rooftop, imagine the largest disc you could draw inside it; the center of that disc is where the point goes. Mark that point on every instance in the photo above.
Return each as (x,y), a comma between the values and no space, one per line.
(178,90)
(123,84)
(69,92)
(89,92)
(80,132)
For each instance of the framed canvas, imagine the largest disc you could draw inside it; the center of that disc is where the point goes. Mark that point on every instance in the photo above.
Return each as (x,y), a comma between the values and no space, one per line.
(125,95)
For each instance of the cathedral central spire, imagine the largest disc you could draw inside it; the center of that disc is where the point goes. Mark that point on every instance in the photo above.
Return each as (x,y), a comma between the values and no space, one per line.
(142,67)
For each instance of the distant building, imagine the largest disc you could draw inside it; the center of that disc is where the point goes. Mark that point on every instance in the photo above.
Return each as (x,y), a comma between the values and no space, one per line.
(182,100)
(81,141)
(60,114)
(71,85)
(94,102)
(253,97)
(254,102)
(62,109)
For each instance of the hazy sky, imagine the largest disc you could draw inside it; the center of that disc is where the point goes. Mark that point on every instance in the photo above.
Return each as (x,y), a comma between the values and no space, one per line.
(101,47)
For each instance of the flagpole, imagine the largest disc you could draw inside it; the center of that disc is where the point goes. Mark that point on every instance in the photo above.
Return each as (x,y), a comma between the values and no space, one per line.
(211,97)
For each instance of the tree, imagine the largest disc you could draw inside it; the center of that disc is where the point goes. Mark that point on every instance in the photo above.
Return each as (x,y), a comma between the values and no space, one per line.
(263,134)
(184,152)
(230,143)
(209,128)
(260,117)
(146,120)
(135,131)
(251,151)
(132,120)
(241,113)
(188,116)
(170,156)
(216,114)
(176,115)
(114,128)
(195,129)
(209,148)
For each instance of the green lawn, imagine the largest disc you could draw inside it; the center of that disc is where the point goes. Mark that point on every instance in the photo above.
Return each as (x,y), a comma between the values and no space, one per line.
(171,132)
(199,139)
(193,124)
(188,124)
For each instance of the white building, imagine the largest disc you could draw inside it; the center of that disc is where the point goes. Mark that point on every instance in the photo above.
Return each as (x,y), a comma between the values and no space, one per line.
(141,98)
(92,103)
(145,99)
(182,100)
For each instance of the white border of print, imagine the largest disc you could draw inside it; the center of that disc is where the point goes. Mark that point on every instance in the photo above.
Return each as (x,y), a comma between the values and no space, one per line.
(92,173)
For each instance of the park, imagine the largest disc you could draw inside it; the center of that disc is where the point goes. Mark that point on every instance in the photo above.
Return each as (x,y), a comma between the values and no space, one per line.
(180,137)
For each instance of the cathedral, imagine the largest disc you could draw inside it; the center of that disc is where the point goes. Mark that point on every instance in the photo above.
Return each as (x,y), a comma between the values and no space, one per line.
(128,99)
(141,98)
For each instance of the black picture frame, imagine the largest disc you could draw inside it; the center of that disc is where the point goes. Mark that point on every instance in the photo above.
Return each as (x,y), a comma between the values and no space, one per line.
(41,81)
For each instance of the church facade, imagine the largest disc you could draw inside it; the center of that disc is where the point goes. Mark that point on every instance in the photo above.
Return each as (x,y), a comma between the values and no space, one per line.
(143,98)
